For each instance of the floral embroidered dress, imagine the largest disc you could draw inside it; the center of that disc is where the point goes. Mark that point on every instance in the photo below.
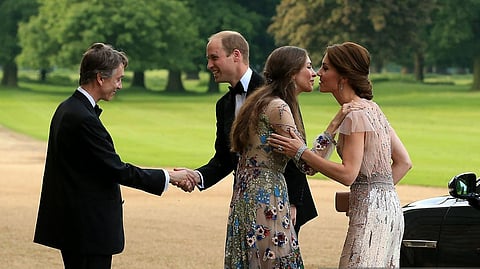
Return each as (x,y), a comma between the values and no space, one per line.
(259,232)
(375,216)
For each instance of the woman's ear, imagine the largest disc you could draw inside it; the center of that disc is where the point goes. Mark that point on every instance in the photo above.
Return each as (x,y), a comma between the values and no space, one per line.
(342,82)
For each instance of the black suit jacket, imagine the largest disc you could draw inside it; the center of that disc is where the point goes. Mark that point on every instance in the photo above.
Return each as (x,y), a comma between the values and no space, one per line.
(224,161)
(81,205)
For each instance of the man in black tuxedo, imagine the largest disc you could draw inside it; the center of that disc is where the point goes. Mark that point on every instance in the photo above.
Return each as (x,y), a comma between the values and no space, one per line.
(80,211)
(228,60)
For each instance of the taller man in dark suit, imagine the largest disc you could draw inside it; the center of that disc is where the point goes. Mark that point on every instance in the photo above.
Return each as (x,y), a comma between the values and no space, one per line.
(80,210)
(228,60)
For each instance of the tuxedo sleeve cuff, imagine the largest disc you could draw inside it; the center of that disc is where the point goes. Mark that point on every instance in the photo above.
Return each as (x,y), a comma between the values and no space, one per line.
(167,179)
(200,185)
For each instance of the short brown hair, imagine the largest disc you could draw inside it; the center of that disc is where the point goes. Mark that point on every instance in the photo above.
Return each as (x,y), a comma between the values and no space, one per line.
(100,58)
(233,40)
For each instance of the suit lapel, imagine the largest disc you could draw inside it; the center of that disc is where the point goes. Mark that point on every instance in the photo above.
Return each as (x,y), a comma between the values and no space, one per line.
(255,82)
(94,111)
(84,100)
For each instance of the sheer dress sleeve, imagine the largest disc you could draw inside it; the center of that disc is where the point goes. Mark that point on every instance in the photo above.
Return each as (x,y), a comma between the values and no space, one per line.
(377,148)
(356,121)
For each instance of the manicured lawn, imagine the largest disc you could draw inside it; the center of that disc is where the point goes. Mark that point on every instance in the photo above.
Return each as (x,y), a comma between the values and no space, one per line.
(437,121)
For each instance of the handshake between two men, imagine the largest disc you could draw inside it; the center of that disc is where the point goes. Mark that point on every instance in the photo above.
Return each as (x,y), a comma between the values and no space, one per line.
(184,178)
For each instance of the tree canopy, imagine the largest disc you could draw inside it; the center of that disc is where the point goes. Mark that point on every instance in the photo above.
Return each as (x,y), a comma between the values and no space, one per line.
(12,13)
(455,36)
(381,25)
(165,34)
(393,31)
(156,34)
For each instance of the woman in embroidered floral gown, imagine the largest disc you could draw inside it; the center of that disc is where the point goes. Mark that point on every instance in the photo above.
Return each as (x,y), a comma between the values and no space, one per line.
(373,161)
(259,232)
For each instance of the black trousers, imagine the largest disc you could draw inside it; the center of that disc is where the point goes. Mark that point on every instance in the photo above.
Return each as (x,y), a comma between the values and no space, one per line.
(72,260)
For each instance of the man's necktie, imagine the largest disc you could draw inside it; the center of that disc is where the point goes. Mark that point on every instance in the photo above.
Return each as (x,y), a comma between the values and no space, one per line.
(98,110)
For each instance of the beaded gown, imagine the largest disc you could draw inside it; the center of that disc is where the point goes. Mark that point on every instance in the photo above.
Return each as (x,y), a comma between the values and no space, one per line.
(376,222)
(259,232)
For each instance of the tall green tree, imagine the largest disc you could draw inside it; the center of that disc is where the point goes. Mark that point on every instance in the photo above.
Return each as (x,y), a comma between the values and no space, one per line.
(39,40)
(12,13)
(385,27)
(261,42)
(455,35)
(155,34)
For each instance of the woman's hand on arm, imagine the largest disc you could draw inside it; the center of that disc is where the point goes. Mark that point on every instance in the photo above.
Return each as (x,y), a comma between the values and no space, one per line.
(286,145)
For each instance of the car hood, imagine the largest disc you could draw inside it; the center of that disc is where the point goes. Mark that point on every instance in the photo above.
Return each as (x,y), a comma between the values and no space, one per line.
(438,201)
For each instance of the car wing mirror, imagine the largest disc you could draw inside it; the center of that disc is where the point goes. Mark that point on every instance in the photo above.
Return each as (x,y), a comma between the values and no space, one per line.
(463,186)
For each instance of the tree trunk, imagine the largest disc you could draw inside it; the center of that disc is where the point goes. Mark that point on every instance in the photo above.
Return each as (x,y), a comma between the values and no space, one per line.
(10,75)
(476,73)
(212,85)
(43,75)
(418,69)
(174,83)
(138,80)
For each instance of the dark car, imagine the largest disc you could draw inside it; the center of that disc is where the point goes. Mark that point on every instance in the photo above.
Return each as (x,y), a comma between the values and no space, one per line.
(444,231)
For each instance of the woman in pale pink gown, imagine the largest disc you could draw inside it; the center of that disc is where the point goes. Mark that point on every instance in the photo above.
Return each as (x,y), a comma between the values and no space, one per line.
(373,161)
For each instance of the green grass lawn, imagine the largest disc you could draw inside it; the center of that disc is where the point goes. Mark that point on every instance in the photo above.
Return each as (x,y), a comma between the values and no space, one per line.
(437,121)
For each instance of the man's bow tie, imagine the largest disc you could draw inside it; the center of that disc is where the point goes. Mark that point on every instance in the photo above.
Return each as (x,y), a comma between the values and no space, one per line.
(98,110)
(238,89)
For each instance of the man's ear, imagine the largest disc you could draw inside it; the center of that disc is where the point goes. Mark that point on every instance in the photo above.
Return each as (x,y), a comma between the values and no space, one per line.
(237,54)
(99,79)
